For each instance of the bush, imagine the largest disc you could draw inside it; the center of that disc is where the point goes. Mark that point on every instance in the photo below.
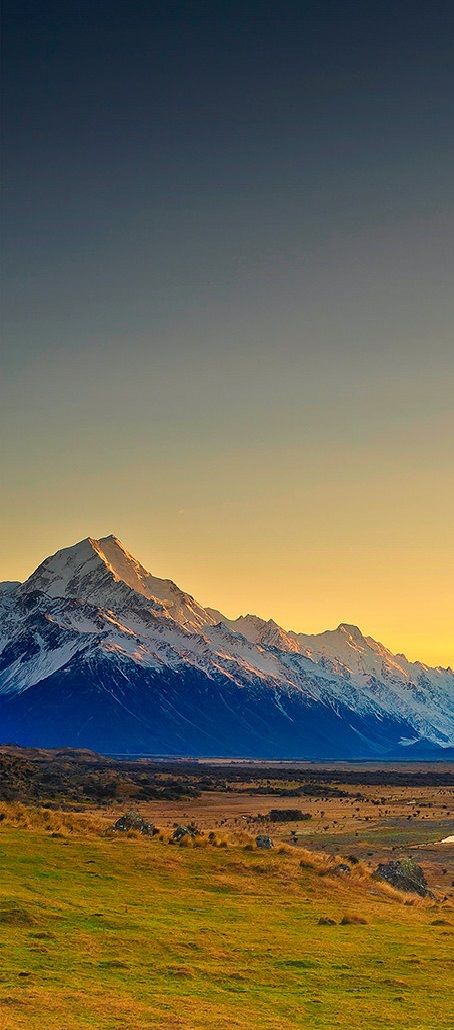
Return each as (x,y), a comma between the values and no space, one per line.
(288,815)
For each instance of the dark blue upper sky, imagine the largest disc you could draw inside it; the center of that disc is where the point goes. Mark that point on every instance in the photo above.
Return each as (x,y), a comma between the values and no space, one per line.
(226,225)
(116,111)
(136,128)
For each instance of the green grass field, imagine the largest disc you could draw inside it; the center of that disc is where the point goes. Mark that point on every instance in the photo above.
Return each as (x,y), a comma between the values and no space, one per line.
(129,933)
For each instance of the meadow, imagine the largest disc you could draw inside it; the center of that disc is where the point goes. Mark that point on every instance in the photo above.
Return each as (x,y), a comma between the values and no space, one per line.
(118,932)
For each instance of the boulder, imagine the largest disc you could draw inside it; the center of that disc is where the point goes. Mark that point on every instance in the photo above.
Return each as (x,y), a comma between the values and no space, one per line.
(341,869)
(353,921)
(262,841)
(133,821)
(185,831)
(405,875)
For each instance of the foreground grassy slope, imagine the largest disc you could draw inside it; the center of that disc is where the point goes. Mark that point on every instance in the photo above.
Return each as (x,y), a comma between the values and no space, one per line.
(129,933)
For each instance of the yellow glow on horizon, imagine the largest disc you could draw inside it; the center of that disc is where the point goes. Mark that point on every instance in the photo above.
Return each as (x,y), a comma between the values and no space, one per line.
(310,531)
(401,596)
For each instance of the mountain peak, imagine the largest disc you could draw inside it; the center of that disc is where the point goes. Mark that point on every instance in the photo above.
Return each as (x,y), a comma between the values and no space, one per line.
(91,616)
(98,570)
(110,539)
(350,630)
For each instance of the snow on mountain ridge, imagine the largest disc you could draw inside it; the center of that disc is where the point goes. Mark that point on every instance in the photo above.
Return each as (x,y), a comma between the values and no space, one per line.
(94,569)
(9,585)
(96,600)
(422,695)
(259,631)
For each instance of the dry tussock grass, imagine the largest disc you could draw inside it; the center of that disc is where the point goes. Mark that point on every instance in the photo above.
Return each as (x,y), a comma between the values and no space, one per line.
(218,840)
(388,891)
(360,878)
(359,872)
(316,860)
(95,823)
(187,841)
(65,824)
(200,842)
(242,838)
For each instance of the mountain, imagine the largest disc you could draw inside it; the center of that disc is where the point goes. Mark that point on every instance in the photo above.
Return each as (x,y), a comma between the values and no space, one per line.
(97,570)
(97,652)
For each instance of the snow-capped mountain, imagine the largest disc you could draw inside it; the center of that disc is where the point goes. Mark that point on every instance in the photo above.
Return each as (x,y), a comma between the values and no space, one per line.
(95,651)
(8,585)
(95,570)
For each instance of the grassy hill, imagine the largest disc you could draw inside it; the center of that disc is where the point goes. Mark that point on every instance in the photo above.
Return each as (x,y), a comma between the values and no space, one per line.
(121,932)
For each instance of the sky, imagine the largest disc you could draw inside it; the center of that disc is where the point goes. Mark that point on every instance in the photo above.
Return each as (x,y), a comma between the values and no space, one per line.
(228,304)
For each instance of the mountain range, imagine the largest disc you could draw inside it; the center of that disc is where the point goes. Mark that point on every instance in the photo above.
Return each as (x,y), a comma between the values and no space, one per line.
(96,652)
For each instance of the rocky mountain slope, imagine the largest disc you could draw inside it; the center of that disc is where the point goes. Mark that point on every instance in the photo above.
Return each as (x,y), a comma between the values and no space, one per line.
(97,652)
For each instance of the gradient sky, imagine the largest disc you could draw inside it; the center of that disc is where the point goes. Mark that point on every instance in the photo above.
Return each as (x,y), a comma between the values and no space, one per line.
(228,315)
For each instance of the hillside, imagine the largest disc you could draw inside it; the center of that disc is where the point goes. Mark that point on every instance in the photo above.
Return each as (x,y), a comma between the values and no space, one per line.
(131,933)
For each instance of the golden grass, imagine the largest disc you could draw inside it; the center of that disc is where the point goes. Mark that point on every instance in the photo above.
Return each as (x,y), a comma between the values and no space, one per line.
(30,817)
(118,932)
(95,823)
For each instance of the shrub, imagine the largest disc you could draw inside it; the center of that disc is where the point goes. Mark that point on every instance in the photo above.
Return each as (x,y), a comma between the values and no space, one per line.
(288,815)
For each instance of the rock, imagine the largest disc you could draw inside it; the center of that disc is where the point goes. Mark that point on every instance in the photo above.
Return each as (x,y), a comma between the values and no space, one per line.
(133,821)
(342,869)
(185,831)
(405,875)
(326,921)
(262,841)
(353,921)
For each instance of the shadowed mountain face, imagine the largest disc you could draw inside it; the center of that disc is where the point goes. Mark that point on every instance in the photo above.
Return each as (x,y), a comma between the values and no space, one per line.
(97,652)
